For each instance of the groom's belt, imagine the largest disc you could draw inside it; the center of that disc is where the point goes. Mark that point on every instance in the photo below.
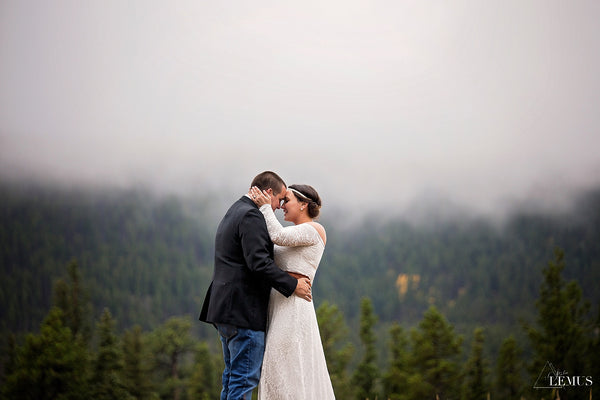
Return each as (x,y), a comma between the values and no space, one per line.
(298,276)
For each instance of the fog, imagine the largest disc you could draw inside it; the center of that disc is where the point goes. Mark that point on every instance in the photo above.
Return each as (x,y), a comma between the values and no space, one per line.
(379,105)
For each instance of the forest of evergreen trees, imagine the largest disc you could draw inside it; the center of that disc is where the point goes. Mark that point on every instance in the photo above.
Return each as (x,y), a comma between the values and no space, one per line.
(101,292)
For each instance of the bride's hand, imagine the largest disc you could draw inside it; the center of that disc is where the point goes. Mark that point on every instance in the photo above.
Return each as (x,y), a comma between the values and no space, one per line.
(259,197)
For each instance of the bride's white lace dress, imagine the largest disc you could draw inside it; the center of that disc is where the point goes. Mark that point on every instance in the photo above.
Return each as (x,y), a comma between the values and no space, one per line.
(294,363)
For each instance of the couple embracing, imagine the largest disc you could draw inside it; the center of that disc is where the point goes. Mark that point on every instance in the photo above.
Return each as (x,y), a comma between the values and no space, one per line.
(260,296)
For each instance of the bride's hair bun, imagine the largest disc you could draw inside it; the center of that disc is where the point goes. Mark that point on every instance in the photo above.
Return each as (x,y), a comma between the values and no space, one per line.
(308,195)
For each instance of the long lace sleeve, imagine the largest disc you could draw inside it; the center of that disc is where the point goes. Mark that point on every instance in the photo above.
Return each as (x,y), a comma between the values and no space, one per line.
(297,235)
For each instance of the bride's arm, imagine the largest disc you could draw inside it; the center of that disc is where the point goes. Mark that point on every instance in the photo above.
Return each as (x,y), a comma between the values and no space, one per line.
(297,235)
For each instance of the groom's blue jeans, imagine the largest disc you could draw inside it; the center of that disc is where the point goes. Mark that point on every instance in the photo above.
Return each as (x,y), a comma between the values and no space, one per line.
(243,351)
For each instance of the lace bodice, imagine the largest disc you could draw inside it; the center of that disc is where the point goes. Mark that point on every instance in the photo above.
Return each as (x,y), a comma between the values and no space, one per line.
(298,248)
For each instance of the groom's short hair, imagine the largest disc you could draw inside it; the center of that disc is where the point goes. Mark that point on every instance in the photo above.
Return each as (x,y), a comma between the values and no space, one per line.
(269,179)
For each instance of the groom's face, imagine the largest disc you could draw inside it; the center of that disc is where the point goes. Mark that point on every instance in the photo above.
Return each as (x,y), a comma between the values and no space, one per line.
(278,198)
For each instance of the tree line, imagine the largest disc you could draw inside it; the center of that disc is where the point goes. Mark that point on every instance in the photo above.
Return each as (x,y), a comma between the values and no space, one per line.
(147,257)
(71,359)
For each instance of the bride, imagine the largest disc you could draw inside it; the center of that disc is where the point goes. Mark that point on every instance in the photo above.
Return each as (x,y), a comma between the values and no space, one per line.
(294,364)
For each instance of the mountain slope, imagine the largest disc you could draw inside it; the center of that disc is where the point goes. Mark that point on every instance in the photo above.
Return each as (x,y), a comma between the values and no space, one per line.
(147,258)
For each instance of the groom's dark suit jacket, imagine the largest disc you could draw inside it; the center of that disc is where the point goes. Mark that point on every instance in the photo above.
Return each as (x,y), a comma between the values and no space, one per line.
(244,270)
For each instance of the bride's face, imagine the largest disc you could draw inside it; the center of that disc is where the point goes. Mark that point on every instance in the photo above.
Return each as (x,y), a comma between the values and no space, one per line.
(291,207)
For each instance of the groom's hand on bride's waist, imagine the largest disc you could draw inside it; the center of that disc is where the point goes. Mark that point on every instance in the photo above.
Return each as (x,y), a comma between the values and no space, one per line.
(303,288)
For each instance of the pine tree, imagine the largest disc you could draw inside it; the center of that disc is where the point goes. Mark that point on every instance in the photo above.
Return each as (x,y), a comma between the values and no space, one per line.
(593,351)
(135,371)
(204,382)
(73,300)
(509,368)
(560,337)
(395,380)
(475,386)
(8,359)
(106,381)
(170,343)
(435,348)
(50,365)
(338,351)
(365,376)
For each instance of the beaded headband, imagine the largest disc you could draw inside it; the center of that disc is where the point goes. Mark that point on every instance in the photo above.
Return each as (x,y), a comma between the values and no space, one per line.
(300,194)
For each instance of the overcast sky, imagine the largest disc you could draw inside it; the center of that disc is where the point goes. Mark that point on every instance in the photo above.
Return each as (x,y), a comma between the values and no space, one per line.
(375,103)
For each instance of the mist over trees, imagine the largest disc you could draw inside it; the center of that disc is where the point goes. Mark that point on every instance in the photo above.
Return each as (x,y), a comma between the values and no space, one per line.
(106,288)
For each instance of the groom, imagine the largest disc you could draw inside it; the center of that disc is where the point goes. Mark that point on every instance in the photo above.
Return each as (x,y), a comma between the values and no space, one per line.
(238,296)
